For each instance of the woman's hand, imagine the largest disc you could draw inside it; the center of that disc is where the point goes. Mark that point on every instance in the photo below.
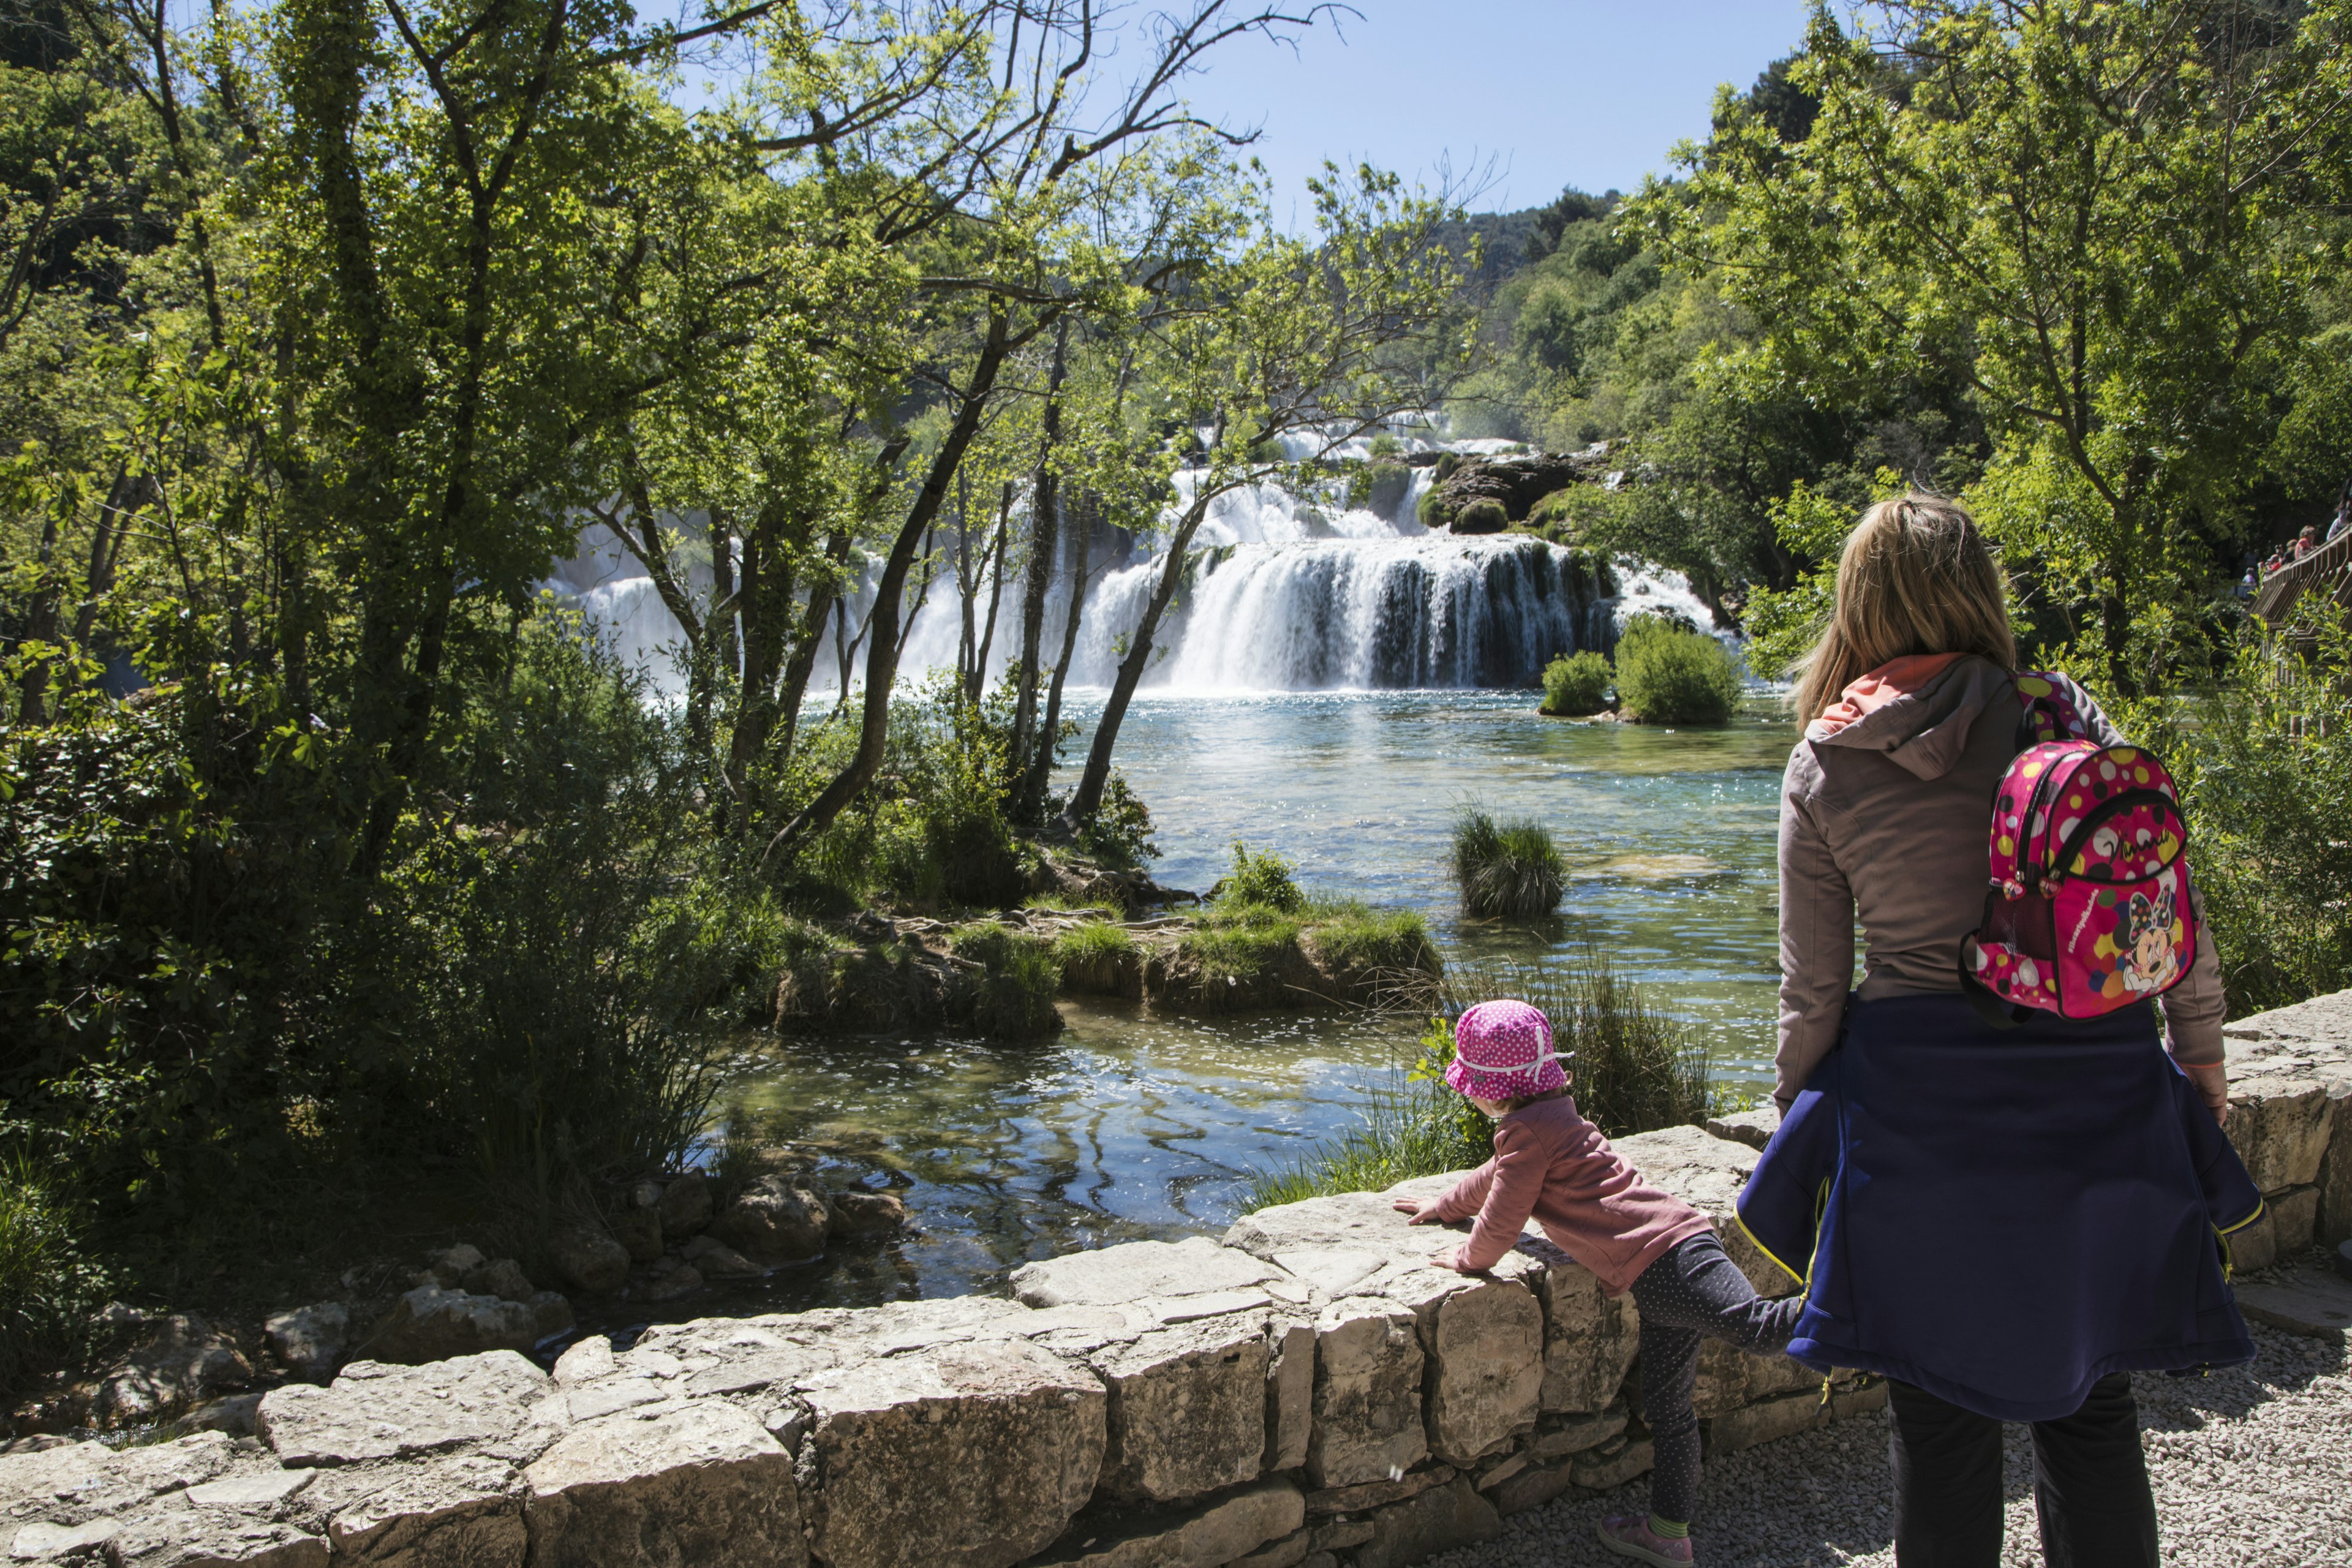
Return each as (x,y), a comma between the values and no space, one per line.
(2213,1082)
(1422,1213)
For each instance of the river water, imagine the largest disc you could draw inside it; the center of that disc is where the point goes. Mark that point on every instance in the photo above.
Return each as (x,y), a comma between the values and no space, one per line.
(1126,1127)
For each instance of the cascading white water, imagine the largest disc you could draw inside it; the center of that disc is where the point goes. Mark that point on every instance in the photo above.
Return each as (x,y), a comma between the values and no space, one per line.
(1285,593)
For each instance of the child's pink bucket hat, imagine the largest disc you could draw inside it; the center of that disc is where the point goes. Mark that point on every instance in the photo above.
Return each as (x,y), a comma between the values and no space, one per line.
(1503,1050)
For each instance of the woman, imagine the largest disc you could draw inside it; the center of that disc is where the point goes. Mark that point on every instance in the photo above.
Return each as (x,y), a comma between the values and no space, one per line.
(2004,1223)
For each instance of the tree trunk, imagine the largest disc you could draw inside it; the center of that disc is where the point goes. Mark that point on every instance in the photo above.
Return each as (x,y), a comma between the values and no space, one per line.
(1045,528)
(1087,798)
(882,652)
(1041,770)
(996,594)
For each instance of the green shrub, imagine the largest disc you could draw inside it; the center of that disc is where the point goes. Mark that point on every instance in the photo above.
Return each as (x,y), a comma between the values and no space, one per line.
(1094,941)
(2262,760)
(1667,675)
(1510,868)
(1484,515)
(1448,465)
(1379,488)
(1016,995)
(1432,512)
(49,1288)
(1576,683)
(1118,835)
(1386,446)
(1261,880)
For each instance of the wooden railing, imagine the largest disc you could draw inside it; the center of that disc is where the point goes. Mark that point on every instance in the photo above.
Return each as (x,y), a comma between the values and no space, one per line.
(2329,566)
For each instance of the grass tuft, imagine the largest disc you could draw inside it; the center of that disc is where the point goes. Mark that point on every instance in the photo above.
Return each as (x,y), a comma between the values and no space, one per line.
(1016,997)
(1509,868)
(1093,942)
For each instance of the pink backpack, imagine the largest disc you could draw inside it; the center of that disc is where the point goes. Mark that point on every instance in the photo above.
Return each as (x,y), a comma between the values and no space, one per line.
(2089,909)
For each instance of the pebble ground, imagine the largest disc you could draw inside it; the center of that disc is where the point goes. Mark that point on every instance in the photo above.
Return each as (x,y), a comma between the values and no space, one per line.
(2252,1468)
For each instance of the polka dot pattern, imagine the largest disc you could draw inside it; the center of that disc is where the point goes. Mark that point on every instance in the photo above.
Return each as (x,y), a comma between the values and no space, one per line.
(1503,1050)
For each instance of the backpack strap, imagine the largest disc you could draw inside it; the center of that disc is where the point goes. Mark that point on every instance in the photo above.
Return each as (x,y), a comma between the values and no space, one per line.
(2051,711)
(1988,1003)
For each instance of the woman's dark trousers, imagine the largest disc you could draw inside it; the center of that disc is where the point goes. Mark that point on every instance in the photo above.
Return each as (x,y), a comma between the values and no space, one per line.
(2090,1483)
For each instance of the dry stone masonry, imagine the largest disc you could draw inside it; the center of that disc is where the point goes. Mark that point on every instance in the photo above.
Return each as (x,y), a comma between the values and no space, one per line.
(1308,1393)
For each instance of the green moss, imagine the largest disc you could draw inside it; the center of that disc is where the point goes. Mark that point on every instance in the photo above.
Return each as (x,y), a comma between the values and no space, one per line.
(1667,675)
(1241,941)
(1016,995)
(1351,935)
(1484,515)
(1576,683)
(1509,868)
(1434,511)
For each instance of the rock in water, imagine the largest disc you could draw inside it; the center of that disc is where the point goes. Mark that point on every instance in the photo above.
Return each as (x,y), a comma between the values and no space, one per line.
(182,1358)
(717,1260)
(866,1214)
(775,1217)
(588,1258)
(685,1207)
(429,1323)
(310,1339)
(551,1313)
(639,1230)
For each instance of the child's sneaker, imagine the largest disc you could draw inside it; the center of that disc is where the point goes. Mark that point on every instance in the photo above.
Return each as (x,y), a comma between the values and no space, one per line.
(1630,1536)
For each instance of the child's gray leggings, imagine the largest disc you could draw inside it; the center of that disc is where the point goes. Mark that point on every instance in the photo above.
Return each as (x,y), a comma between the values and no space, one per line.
(1694,1291)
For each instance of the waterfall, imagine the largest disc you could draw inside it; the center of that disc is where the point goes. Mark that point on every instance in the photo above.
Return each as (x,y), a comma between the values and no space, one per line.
(1283,592)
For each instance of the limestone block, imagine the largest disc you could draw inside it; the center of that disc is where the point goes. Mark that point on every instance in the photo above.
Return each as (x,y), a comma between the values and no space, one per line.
(896,1440)
(1766,1421)
(80,1482)
(1367,1422)
(373,1411)
(1368,1495)
(1187,1409)
(465,1513)
(502,1277)
(1482,1335)
(1340,1535)
(1532,1486)
(1730,1378)
(1850,1402)
(1289,1393)
(1286,1553)
(2285,1230)
(1440,1520)
(2280,1126)
(1559,1437)
(1754,1128)
(167,1536)
(1602,1469)
(430,1324)
(1589,1340)
(1707,1173)
(1215,1533)
(2336,1167)
(702,1485)
(1138,1270)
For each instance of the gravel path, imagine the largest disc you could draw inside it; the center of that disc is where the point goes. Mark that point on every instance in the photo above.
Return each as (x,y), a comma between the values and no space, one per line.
(2252,1469)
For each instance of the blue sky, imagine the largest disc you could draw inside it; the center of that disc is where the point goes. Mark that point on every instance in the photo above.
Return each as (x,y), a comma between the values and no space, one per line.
(1593,93)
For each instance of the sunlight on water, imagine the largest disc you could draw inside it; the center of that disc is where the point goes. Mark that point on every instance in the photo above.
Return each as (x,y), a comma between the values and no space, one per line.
(1125,1127)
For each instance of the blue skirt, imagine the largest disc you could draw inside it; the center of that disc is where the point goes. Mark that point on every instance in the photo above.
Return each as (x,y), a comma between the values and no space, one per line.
(2004,1218)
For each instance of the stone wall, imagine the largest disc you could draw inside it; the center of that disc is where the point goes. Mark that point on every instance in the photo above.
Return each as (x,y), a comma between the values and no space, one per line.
(1305,1393)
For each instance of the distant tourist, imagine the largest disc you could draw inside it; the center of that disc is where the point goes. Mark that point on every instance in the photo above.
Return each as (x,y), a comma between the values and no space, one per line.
(2305,542)
(2005,1218)
(1552,1164)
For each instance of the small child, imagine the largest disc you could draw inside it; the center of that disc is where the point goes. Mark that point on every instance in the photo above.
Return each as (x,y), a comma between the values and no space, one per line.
(1552,1163)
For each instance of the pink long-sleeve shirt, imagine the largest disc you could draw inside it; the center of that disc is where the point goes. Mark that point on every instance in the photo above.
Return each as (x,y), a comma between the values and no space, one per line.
(1553,1164)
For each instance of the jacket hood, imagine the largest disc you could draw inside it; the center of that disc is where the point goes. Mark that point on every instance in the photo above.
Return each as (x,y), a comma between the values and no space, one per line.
(1916,711)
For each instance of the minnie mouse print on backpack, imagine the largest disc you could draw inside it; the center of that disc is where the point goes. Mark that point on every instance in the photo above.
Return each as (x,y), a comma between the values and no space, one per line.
(2089,909)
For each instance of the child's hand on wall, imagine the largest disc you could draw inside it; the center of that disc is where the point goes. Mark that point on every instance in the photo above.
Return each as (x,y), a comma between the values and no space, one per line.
(1422,1213)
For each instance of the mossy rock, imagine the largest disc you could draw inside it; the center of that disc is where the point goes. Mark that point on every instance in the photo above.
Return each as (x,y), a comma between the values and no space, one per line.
(1484,515)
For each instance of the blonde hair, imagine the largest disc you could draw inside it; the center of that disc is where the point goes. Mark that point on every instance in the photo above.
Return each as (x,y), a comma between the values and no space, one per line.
(1915,578)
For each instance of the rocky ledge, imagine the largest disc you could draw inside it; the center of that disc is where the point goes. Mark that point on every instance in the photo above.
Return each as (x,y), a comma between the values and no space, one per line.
(1307,1392)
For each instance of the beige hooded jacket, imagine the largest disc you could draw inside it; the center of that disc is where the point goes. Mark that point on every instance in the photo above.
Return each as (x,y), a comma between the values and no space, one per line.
(1882,815)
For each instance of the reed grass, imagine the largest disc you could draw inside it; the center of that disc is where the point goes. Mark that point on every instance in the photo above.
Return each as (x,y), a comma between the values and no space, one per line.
(1508,867)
